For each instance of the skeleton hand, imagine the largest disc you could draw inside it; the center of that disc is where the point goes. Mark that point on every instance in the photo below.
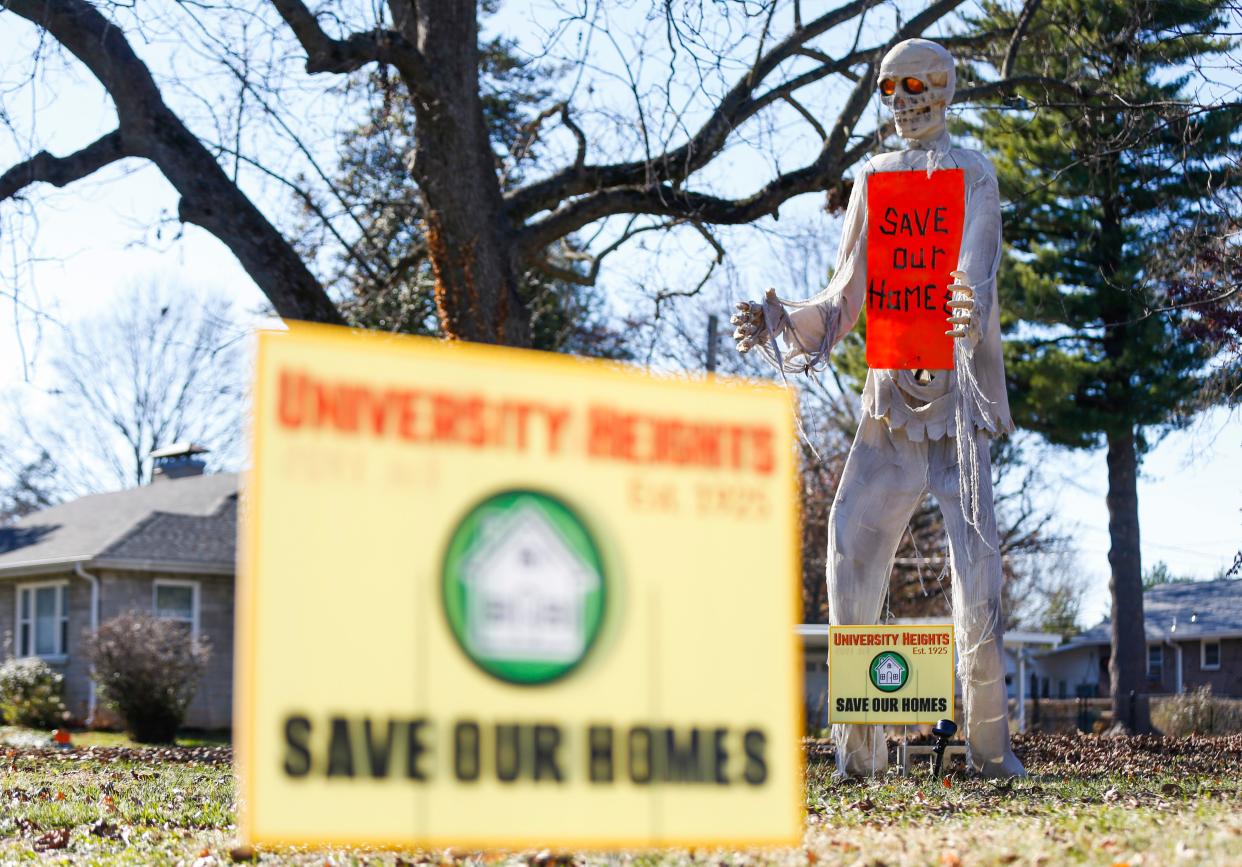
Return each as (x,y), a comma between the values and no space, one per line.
(751,326)
(961,304)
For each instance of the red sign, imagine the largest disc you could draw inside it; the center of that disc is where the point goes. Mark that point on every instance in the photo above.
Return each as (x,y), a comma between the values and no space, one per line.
(914,235)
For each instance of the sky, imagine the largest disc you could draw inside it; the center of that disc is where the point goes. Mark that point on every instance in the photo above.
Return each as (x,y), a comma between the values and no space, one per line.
(69,252)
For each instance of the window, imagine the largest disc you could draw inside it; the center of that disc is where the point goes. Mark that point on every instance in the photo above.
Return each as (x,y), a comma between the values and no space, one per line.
(178,600)
(42,619)
(1209,655)
(1155,662)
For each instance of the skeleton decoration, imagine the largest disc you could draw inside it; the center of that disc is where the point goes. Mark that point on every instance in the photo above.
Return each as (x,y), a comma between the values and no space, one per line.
(916,84)
(921,430)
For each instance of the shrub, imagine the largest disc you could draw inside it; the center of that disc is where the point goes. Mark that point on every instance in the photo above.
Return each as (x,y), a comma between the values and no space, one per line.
(146,669)
(31,694)
(1198,713)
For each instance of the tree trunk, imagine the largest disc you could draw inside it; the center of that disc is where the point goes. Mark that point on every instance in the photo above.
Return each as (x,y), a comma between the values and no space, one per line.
(470,242)
(1127,666)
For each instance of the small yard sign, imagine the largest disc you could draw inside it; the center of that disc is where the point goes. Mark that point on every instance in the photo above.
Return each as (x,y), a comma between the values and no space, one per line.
(890,675)
(499,598)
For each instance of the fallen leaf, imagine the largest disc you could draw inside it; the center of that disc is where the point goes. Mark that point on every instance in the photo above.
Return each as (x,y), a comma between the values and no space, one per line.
(950,858)
(58,838)
(947,782)
(104,828)
(60,796)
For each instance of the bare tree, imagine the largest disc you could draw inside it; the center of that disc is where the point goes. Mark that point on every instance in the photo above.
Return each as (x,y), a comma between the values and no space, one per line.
(165,366)
(481,234)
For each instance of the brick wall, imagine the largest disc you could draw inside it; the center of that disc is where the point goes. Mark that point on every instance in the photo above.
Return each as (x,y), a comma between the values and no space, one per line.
(212,707)
(1225,681)
(124,591)
(73,666)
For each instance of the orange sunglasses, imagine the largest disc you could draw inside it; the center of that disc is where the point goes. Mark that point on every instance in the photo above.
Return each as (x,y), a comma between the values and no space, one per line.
(913,86)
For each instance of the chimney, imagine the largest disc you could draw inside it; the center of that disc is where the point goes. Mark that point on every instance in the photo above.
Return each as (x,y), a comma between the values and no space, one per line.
(178,461)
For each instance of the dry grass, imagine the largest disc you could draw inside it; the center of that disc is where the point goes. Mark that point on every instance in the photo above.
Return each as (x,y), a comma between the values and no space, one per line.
(1089,801)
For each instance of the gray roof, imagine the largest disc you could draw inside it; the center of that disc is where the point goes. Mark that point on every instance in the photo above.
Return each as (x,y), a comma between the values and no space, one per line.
(1180,612)
(187,523)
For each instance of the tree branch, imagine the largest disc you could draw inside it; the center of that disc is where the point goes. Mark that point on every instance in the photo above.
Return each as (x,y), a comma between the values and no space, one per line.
(807,116)
(150,129)
(679,163)
(1019,31)
(59,171)
(326,54)
(654,187)
(568,275)
(1007,85)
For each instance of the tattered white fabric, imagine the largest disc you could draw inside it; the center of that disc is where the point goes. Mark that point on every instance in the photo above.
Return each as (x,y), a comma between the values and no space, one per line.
(917,435)
(886,475)
(816,325)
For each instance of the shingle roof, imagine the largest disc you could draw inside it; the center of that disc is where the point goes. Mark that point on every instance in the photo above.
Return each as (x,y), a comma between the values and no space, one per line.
(1188,611)
(190,521)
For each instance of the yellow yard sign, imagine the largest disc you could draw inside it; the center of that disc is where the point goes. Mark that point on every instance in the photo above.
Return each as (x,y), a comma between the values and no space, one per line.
(890,675)
(500,598)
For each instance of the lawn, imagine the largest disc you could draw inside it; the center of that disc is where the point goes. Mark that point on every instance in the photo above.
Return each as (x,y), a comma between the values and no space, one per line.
(1089,801)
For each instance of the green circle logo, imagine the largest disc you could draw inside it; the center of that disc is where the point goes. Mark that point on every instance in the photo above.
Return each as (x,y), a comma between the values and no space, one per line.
(523,587)
(889,671)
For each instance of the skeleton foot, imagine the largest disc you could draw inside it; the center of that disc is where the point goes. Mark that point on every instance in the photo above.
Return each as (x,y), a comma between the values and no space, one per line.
(1006,767)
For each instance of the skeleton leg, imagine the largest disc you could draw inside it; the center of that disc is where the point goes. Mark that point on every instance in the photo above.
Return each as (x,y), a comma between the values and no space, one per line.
(976,612)
(884,479)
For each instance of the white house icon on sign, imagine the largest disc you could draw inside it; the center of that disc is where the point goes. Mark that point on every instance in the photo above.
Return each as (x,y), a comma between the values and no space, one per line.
(526,590)
(889,672)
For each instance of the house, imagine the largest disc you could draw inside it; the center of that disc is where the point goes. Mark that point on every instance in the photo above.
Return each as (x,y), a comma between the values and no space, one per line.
(527,587)
(888,673)
(1194,639)
(167,547)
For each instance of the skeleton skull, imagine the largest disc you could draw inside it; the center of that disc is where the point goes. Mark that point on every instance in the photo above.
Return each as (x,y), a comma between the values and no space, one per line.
(916,85)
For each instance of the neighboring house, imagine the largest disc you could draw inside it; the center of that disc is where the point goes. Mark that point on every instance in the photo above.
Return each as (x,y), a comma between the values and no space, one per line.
(1194,638)
(167,547)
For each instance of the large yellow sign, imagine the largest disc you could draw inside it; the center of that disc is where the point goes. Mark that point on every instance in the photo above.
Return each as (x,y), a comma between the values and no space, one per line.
(890,675)
(496,598)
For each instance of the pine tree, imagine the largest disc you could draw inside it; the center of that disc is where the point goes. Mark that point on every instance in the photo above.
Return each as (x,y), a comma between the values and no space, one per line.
(1112,173)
